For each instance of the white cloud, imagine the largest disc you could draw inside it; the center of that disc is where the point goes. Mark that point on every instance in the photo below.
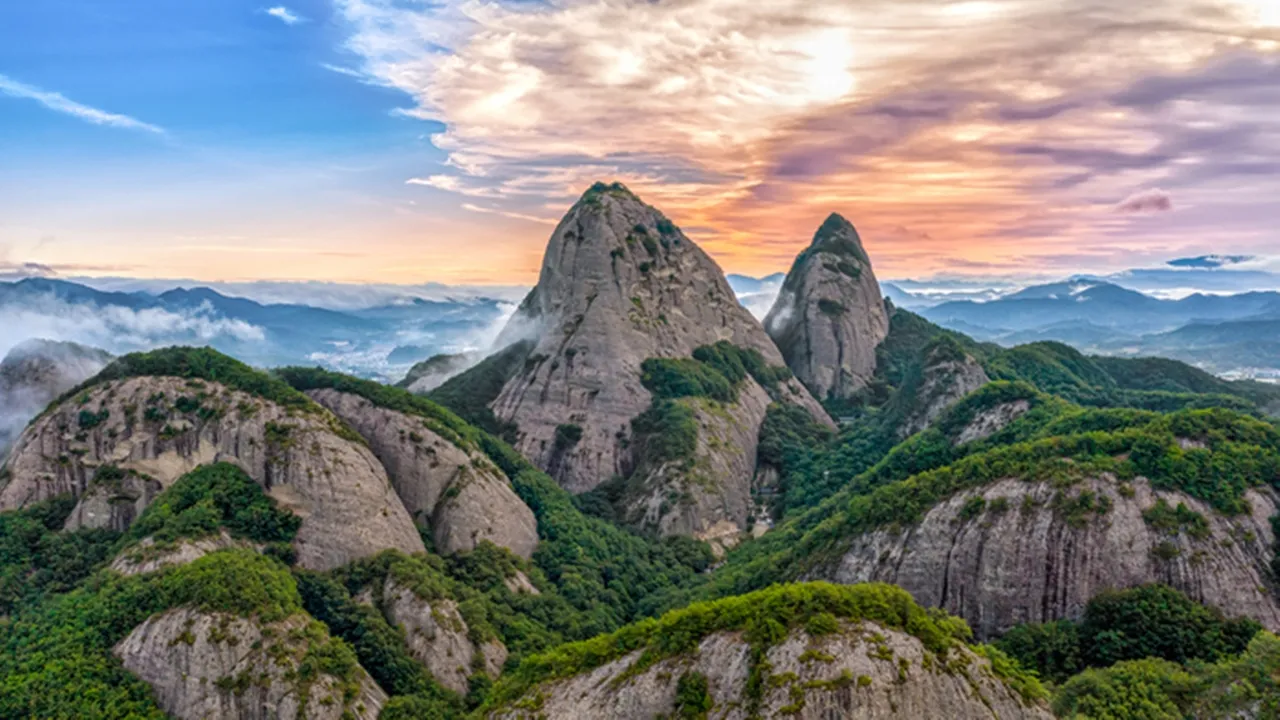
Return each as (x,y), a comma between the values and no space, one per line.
(285,15)
(59,103)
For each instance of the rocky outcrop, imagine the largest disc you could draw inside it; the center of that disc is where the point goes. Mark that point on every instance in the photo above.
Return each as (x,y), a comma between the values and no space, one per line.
(148,556)
(1015,552)
(710,498)
(113,500)
(861,671)
(620,284)
(435,370)
(948,374)
(439,638)
(160,428)
(989,421)
(459,494)
(207,665)
(829,316)
(36,372)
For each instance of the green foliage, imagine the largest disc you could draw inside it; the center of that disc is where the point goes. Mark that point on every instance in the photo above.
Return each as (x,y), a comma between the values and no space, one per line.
(1153,621)
(214,496)
(470,393)
(831,307)
(670,378)
(567,435)
(693,697)
(56,661)
(1172,521)
(37,559)
(763,616)
(666,432)
(1154,689)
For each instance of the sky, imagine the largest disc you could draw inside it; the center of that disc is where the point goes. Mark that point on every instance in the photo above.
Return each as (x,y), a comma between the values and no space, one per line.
(405,141)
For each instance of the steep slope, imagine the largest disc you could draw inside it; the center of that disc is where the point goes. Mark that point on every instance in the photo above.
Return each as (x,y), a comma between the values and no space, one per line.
(34,373)
(948,374)
(150,418)
(829,317)
(444,479)
(806,651)
(620,284)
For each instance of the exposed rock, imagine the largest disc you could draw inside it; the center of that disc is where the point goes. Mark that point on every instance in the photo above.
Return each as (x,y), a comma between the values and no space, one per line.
(335,484)
(520,583)
(459,494)
(205,665)
(36,372)
(1020,559)
(863,671)
(948,375)
(435,370)
(713,500)
(992,420)
(829,316)
(619,284)
(147,556)
(113,503)
(438,637)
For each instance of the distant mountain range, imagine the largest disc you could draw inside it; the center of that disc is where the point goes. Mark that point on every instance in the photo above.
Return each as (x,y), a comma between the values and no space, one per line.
(381,341)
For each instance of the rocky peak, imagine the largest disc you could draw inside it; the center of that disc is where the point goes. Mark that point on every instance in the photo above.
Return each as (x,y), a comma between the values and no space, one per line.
(34,373)
(620,283)
(830,316)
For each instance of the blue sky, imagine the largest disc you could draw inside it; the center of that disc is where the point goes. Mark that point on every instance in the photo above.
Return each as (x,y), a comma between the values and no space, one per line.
(413,140)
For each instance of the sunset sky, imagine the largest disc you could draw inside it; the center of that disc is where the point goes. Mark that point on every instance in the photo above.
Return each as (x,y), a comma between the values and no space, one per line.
(414,140)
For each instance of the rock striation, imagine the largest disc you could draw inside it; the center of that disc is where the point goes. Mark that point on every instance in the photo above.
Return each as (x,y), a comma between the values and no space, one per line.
(620,283)
(210,665)
(459,494)
(1016,551)
(157,429)
(861,671)
(35,372)
(830,316)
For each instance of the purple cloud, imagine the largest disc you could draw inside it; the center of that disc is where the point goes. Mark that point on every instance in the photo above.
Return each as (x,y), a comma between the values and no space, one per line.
(1154,200)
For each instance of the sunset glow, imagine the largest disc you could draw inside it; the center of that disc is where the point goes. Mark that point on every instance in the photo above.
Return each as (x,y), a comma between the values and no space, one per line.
(402,142)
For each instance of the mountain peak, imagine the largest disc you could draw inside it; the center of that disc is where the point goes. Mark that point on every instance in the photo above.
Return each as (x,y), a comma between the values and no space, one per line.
(838,236)
(600,190)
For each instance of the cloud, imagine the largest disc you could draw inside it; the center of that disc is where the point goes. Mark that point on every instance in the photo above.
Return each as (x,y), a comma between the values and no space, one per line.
(58,103)
(285,15)
(755,120)
(1153,200)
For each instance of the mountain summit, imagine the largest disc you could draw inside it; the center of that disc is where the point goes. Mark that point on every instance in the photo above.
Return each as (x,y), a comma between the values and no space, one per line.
(830,316)
(622,288)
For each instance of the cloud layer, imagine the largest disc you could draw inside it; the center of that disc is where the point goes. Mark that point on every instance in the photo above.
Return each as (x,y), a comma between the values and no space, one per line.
(59,103)
(998,133)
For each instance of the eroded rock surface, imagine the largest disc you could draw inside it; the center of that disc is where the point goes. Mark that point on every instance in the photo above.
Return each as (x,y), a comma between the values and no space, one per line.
(948,375)
(149,556)
(209,665)
(439,638)
(1028,555)
(863,671)
(161,428)
(459,494)
(830,316)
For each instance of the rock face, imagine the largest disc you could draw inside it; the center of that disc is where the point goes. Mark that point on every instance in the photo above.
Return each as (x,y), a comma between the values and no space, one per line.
(948,374)
(863,671)
(36,372)
(992,420)
(205,665)
(714,501)
(620,284)
(437,637)
(830,316)
(160,428)
(460,495)
(1023,558)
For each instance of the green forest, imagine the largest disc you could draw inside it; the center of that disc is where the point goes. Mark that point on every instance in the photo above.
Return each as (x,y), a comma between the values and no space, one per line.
(603,591)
